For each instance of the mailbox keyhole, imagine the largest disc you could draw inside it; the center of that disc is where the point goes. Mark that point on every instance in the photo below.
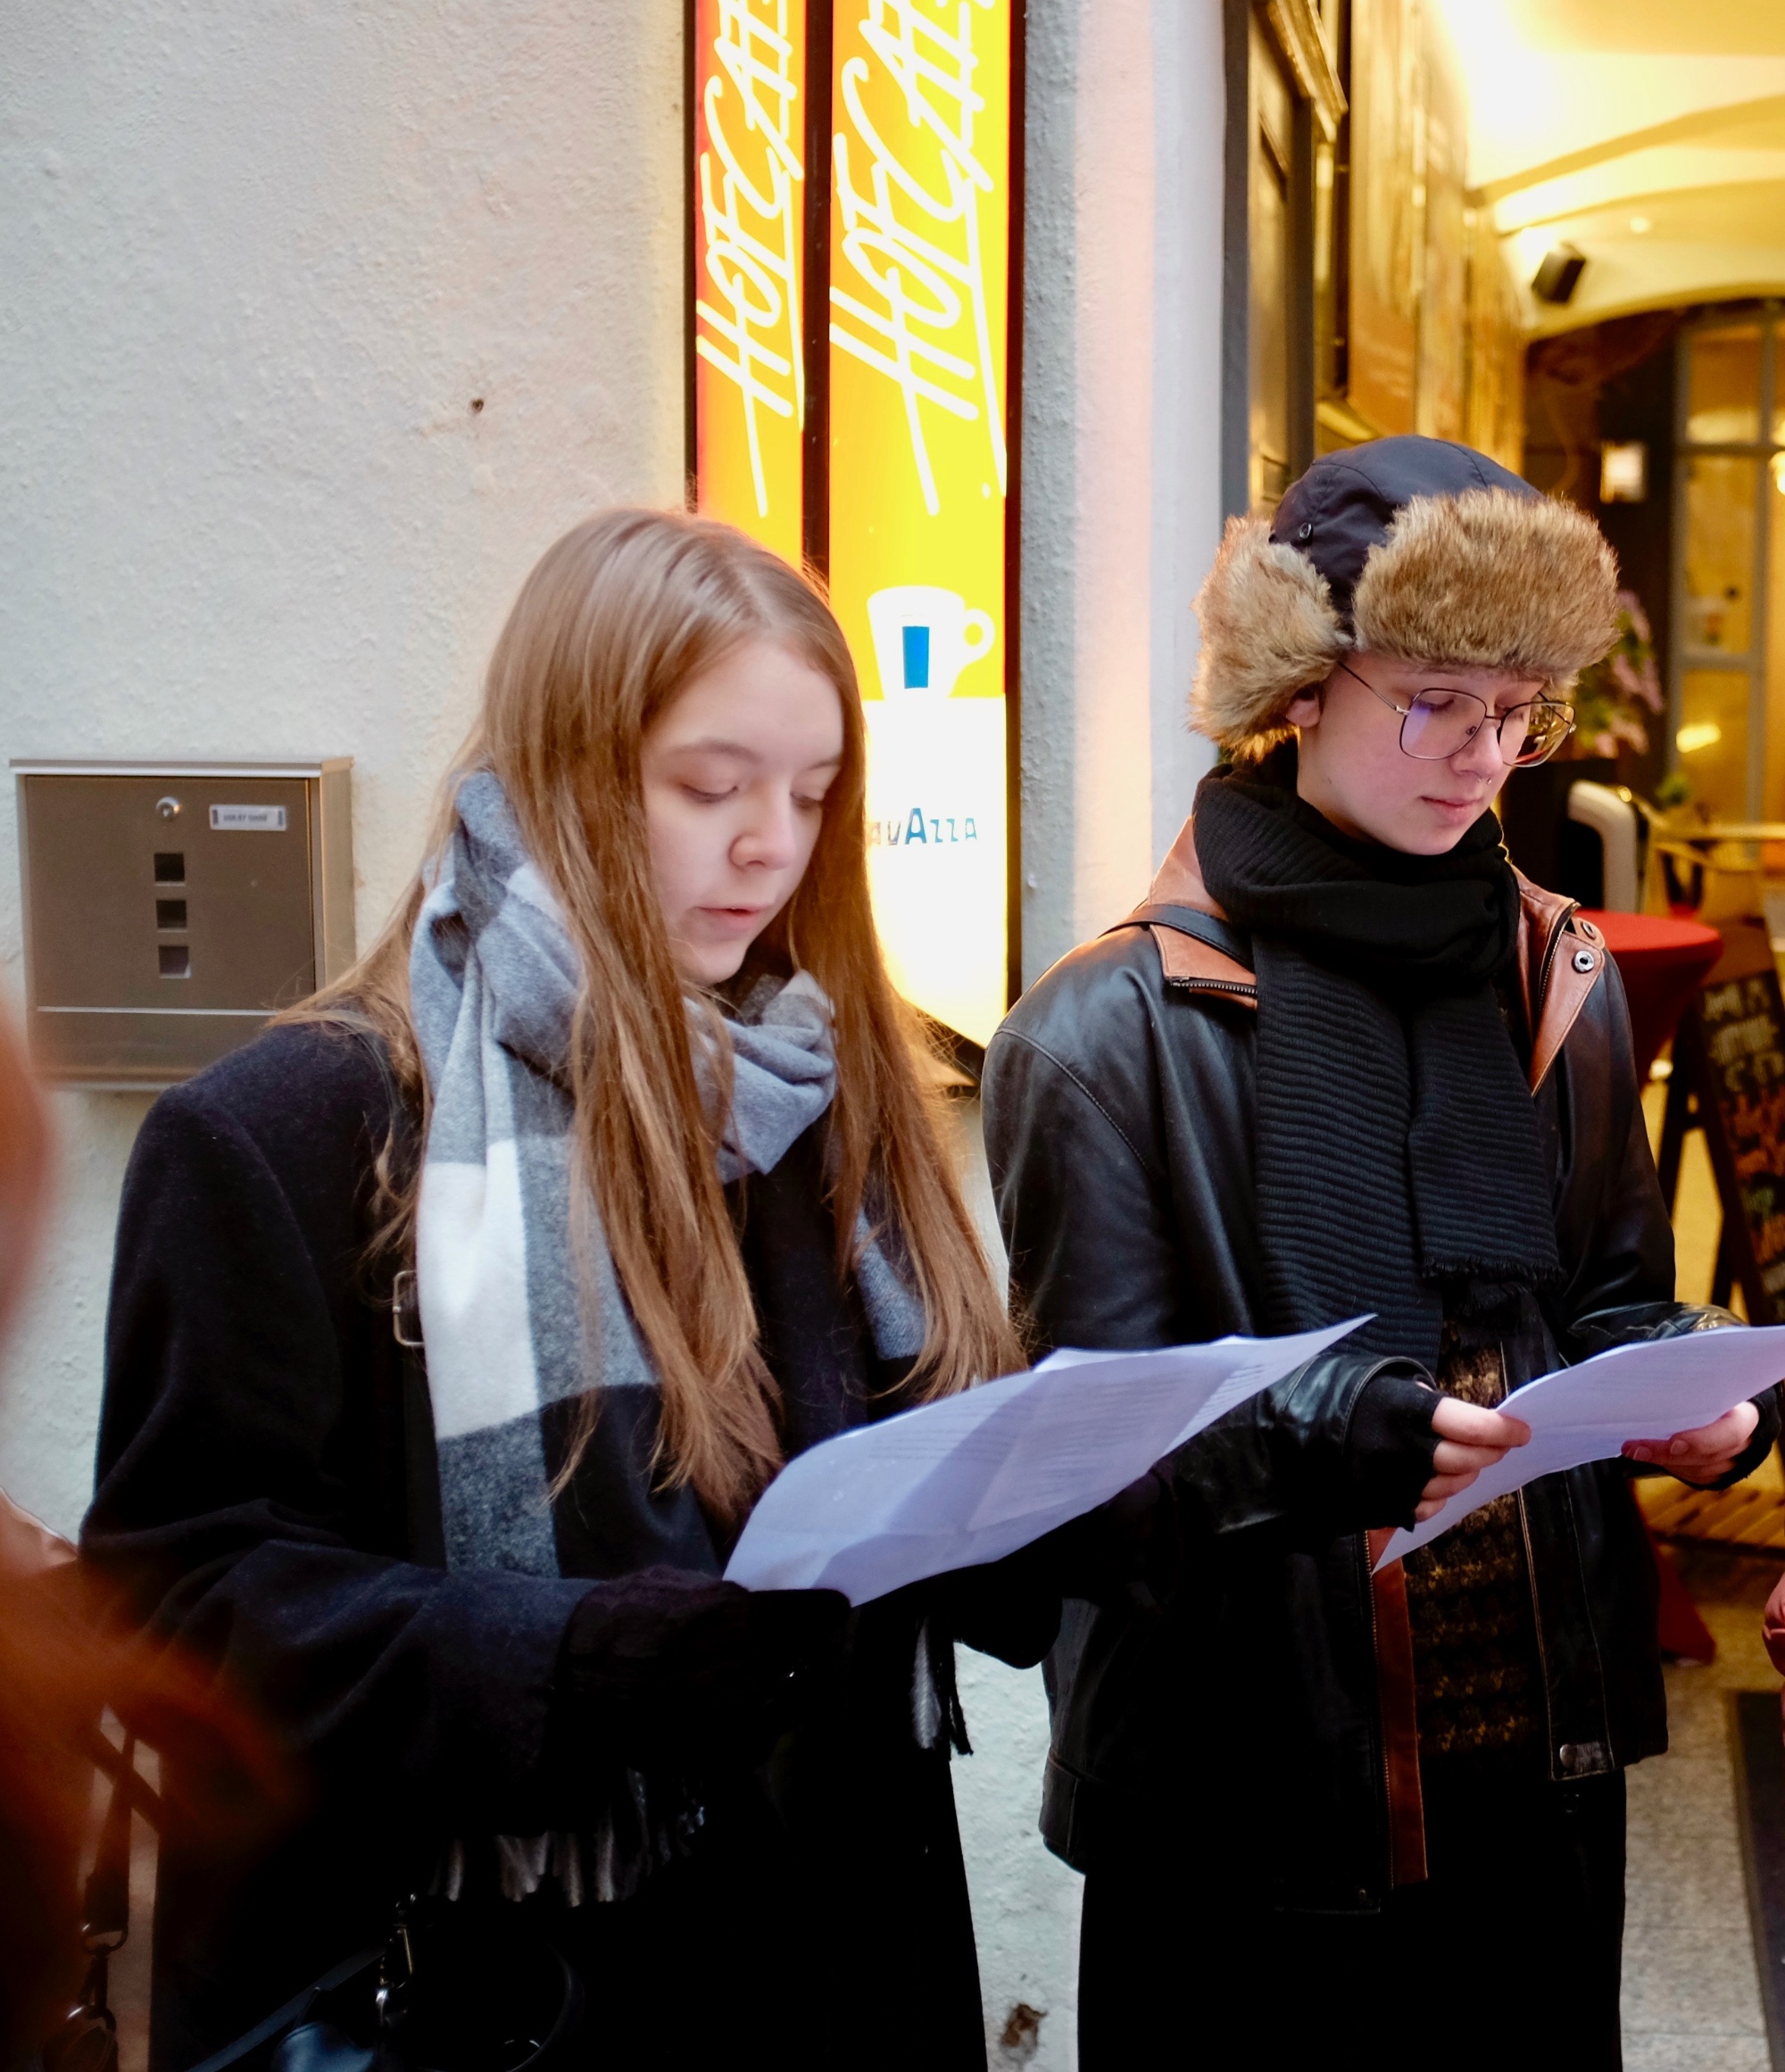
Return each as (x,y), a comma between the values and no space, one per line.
(170,866)
(176,959)
(170,913)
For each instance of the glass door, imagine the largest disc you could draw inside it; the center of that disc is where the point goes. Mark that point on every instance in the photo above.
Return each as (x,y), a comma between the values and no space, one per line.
(1729,532)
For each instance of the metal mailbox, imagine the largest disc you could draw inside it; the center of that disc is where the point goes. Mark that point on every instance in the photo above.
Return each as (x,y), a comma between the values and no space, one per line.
(171,908)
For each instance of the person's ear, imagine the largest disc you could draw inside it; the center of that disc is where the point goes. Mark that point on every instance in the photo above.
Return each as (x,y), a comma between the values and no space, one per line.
(1303,710)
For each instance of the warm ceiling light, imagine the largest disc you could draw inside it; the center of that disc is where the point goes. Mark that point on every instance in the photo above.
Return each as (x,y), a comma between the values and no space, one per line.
(1705,733)
(1641,225)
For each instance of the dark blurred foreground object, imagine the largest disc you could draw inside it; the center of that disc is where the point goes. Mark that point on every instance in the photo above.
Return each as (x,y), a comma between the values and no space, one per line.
(1760,1811)
(60,1671)
(43,1803)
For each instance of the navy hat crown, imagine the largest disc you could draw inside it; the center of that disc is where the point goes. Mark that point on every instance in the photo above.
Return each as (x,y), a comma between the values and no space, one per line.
(1344,505)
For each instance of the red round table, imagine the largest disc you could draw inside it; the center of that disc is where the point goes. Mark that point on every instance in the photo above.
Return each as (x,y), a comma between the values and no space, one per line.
(1663,963)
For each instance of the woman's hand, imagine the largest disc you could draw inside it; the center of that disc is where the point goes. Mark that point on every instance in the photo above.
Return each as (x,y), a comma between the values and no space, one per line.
(1469,1439)
(664,1665)
(1704,1454)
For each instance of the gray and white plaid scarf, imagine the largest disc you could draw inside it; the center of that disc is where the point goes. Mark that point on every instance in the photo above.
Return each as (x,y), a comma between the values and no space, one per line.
(494,978)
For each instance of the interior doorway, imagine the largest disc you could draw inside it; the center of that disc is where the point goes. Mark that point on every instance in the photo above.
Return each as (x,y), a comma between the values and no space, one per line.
(1729,565)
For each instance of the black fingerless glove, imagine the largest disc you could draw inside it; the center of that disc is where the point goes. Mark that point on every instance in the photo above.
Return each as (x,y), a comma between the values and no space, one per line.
(1389,1446)
(669,1667)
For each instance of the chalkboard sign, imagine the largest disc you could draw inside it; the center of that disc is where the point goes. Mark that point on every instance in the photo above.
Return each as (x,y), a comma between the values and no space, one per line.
(1729,1080)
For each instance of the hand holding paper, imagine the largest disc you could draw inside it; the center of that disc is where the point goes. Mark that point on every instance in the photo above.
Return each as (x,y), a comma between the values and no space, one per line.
(1593,1411)
(1705,1453)
(974,1476)
(1470,1440)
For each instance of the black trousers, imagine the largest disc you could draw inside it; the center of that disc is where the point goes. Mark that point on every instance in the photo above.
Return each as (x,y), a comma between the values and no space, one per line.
(1507,1955)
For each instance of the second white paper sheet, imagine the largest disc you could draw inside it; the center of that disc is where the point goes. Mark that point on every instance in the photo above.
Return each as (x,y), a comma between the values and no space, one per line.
(1591,1412)
(976,1476)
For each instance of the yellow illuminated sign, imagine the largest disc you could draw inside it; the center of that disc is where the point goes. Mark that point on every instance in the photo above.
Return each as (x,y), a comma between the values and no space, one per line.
(750,375)
(916,388)
(920,112)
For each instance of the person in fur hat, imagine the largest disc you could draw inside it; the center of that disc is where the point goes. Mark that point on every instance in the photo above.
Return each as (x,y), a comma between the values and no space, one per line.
(1346,1060)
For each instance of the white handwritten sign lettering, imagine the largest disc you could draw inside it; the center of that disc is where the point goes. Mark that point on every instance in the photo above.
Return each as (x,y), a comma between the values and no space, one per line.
(908,294)
(747,325)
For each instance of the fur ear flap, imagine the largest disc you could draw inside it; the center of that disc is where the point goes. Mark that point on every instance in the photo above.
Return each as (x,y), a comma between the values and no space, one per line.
(1269,631)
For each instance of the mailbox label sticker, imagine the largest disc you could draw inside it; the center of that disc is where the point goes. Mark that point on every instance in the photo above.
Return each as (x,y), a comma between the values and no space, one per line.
(248,820)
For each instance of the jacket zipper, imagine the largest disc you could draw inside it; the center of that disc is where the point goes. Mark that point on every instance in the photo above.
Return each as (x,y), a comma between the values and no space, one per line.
(1247,991)
(1537,1626)
(1543,970)
(1536,1608)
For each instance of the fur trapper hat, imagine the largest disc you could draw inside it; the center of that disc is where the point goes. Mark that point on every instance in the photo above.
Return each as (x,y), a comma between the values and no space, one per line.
(1412,547)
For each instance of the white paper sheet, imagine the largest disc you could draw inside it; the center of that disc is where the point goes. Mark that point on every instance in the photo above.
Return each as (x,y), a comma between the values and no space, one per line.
(976,1476)
(1589,1413)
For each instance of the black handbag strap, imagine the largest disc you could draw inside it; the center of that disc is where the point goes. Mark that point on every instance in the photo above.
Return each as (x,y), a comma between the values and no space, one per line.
(105,1923)
(293,2012)
(86,2038)
(1219,935)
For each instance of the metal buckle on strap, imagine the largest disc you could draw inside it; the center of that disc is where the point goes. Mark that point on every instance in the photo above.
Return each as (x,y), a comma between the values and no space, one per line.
(406,1311)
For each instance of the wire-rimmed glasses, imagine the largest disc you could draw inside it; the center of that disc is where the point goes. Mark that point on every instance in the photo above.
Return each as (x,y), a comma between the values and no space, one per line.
(1438,724)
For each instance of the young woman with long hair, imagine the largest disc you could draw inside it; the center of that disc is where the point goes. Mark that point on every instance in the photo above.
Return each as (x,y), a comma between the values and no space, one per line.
(460,1319)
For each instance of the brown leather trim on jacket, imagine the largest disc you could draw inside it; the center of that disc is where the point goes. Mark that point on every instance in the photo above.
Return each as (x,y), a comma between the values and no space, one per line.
(1574,953)
(1560,960)
(1186,961)
(1395,1696)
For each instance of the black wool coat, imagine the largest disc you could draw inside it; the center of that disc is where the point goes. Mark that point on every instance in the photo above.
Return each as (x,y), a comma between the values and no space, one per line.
(253,1505)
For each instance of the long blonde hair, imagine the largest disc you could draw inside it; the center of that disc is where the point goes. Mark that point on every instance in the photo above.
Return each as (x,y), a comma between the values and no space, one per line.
(613,621)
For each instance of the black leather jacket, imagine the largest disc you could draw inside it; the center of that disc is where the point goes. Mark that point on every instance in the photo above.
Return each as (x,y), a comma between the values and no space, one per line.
(1266,1717)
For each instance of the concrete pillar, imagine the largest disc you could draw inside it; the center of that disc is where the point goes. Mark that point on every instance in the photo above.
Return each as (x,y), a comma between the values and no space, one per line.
(1121,444)
(1121,516)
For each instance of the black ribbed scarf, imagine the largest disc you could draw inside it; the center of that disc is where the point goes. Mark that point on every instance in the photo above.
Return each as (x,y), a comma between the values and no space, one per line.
(1398,1168)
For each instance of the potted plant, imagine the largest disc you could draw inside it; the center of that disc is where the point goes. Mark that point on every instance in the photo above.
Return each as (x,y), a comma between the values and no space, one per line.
(1615,702)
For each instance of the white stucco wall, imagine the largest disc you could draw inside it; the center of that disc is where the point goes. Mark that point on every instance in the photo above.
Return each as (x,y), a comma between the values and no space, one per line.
(259,261)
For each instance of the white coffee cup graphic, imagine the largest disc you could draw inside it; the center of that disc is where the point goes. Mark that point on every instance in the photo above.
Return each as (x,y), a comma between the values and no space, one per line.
(923,638)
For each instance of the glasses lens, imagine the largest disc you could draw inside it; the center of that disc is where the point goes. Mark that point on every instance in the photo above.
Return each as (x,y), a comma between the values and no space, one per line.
(1546,727)
(1439,723)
